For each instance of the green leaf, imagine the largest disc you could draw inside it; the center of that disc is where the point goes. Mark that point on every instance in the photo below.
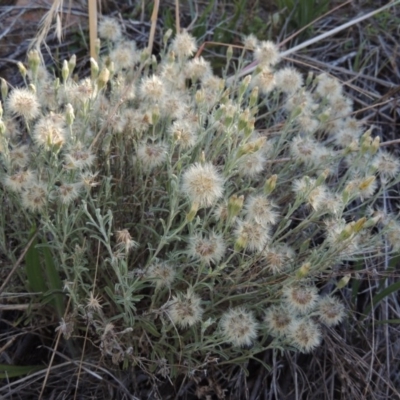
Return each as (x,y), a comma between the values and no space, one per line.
(387,321)
(33,268)
(54,281)
(13,371)
(381,295)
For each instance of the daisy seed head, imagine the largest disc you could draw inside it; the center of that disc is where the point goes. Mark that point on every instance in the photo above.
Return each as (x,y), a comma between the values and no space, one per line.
(203,184)
(239,327)
(24,103)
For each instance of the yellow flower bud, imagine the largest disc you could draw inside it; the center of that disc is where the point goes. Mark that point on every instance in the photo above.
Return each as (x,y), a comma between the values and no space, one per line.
(103,78)
(235,205)
(303,271)
(270,184)
(343,282)
(22,69)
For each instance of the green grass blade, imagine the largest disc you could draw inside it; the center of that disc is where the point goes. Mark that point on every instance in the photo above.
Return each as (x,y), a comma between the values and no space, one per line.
(381,295)
(13,371)
(33,267)
(54,281)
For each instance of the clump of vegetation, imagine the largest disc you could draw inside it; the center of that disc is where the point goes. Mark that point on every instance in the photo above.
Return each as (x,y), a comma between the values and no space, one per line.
(195,221)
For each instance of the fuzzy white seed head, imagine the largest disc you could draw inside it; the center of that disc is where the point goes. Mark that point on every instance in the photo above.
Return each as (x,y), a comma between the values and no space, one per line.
(110,29)
(288,80)
(152,89)
(278,258)
(261,210)
(300,299)
(302,187)
(19,156)
(328,86)
(162,273)
(202,184)
(78,157)
(207,249)
(24,103)
(251,165)
(125,55)
(239,327)
(302,100)
(50,131)
(251,236)
(303,149)
(19,181)
(386,164)
(185,309)
(250,42)
(340,106)
(68,192)
(184,45)
(151,155)
(305,335)
(264,80)
(267,53)
(197,69)
(83,92)
(393,234)
(307,123)
(331,310)
(35,197)
(278,320)
(183,133)
(345,137)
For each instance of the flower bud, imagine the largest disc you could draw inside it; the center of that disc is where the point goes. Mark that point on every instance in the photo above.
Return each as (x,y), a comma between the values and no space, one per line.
(244,85)
(241,243)
(166,36)
(103,78)
(235,205)
(253,97)
(32,88)
(65,71)
(56,83)
(270,185)
(94,68)
(343,282)
(22,69)
(199,96)
(367,182)
(321,179)
(33,61)
(375,145)
(347,231)
(72,64)
(4,89)
(2,128)
(303,271)
(192,213)
(69,114)
(359,224)
(202,157)
(229,54)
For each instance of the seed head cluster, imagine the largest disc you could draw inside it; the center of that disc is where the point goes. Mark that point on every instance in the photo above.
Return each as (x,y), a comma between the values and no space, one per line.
(210,214)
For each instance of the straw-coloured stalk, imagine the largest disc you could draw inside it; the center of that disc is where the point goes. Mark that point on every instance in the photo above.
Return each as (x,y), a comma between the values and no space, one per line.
(92,7)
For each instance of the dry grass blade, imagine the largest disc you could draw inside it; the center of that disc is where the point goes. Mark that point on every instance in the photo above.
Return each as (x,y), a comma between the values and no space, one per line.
(153,25)
(46,24)
(251,67)
(177,18)
(92,6)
